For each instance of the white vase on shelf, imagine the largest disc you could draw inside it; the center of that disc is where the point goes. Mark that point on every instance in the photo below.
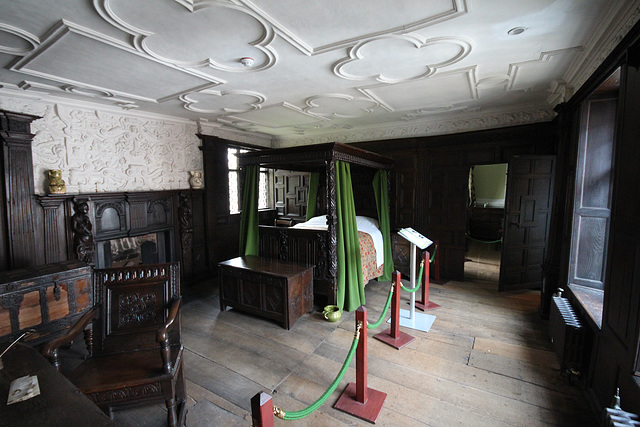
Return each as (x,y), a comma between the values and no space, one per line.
(196,180)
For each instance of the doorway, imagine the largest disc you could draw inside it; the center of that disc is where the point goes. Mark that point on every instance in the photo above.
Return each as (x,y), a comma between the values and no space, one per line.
(485,222)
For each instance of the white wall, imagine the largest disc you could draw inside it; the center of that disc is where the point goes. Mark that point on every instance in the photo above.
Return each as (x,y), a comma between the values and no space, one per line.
(104,151)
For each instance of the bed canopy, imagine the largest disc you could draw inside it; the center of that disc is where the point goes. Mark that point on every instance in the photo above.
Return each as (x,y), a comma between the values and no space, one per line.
(330,163)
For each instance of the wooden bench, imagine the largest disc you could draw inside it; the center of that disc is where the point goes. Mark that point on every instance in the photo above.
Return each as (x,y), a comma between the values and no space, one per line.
(267,287)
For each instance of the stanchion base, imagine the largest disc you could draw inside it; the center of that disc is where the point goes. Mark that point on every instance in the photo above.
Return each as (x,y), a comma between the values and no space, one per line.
(402,340)
(420,321)
(367,411)
(428,306)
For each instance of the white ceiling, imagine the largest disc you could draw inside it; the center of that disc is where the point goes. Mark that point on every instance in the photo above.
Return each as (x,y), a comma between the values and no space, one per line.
(332,70)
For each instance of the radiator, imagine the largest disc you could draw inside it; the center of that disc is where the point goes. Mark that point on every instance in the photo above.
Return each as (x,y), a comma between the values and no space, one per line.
(567,335)
(620,418)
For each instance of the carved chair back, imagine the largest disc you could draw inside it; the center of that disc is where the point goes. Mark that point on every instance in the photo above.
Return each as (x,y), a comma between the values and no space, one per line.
(134,302)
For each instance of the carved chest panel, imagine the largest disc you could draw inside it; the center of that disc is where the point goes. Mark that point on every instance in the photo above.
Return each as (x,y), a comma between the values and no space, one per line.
(47,298)
(278,290)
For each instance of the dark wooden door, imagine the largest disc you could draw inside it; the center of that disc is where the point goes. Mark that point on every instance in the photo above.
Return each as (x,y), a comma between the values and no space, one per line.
(526,228)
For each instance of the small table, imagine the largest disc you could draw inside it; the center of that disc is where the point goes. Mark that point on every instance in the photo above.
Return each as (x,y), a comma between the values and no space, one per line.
(59,403)
(267,287)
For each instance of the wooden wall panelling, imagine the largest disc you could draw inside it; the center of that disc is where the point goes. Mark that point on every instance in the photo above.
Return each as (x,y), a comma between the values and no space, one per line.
(57,242)
(21,218)
(429,180)
(291,193)
(621,315)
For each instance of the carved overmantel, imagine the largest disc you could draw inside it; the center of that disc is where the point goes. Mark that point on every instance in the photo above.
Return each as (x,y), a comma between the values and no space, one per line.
(81,226)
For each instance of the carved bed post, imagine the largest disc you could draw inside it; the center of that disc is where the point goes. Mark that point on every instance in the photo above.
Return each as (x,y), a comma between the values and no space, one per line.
(332,220)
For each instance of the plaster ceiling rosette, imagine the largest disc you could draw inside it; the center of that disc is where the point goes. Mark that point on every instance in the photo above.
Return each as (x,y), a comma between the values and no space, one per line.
(194,35)
(396,59)
(221,102)
(337,105)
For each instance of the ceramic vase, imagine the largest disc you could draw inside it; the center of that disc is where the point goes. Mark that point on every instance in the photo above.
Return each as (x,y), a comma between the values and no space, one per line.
(56,183)
(196,180)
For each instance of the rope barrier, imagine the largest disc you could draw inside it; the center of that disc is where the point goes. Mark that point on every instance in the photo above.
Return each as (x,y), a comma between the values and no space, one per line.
(297,415)
(433,255)
(419,280)
(483,241)
(384,311)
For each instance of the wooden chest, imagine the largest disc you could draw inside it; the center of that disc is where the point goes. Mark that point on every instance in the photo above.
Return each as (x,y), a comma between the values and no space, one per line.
(47,298)
(267,287)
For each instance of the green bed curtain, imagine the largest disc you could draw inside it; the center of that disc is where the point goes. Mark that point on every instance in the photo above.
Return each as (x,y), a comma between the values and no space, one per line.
(314,179)
(382,204)
(349,274)
(249,214)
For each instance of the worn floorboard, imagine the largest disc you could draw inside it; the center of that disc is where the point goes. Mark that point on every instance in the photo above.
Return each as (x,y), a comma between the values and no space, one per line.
(486,361)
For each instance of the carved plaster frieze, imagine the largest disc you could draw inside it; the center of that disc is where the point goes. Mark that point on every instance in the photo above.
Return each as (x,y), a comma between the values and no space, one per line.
(427,128)
(103,151)
(611,29)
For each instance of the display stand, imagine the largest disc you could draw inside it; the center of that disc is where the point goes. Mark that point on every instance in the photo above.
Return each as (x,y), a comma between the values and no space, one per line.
(424,304)
(409,318)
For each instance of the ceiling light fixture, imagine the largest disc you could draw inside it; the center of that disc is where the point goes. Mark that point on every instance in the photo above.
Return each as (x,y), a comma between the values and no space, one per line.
(246,61)
(515,31)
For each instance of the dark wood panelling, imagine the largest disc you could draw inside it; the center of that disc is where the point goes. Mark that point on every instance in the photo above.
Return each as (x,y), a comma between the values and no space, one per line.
(429,180)
(21,220)
(291,190)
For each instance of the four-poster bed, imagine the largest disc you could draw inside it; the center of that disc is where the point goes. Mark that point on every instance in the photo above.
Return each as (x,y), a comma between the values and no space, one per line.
(349,180)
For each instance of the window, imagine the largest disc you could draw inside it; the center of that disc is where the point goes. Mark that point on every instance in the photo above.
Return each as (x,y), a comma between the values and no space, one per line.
(234,182)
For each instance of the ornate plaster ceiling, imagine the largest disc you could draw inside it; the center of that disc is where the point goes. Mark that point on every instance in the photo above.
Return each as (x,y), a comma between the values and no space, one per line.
(331,70)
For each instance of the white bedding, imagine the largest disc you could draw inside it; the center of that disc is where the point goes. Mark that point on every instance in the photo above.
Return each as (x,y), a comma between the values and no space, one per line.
(364,224)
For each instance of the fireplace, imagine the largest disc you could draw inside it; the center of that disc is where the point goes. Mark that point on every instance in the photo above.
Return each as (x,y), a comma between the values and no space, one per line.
(151,248)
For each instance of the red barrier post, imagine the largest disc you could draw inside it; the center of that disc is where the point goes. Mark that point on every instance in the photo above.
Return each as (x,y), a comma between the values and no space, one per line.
(436,264)
(262,410)
(357,399)
(424,304)
(393,336)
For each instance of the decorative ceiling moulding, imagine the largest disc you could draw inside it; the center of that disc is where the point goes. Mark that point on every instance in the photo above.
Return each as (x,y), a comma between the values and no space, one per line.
(67,39)
(222,102)
(42,100)
(206,32)
(398,51)
(432,111)
(354,26)
(459,86)
(428,128)
(613,25)
(23,41)
(28,85)
(524,75)
(224,132)
(275,116)
(338,105)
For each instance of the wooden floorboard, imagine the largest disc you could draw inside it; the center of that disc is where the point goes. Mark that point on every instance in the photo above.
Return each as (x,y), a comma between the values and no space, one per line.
(486,361)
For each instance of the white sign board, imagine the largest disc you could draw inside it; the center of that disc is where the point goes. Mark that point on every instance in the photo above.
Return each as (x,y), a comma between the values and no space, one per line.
(414,237)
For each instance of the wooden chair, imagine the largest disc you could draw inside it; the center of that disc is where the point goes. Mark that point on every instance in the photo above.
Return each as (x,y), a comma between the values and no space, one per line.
(135,349)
